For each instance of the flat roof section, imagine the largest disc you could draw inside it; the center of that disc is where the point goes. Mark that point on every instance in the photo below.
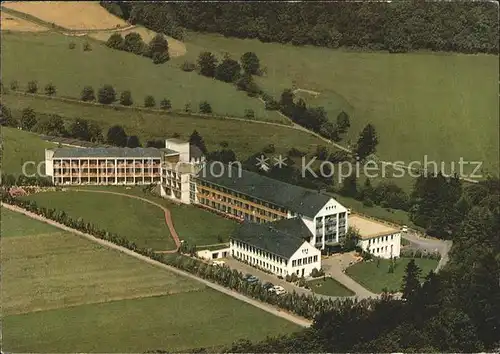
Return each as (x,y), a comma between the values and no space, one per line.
(369,228)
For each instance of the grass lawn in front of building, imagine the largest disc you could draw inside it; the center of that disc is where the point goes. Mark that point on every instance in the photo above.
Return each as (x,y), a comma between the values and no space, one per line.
(374,275)
(329,286)
(134,219)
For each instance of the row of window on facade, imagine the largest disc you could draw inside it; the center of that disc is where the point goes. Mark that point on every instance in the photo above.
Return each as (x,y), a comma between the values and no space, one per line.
(379,250)
(238,203)
(228,209)
(244,196)
(258,262)
(258,252)
(304,261)
(104,160)
(380,239)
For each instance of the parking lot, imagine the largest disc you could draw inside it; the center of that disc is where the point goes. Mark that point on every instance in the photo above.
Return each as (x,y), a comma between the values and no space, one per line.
(265,277)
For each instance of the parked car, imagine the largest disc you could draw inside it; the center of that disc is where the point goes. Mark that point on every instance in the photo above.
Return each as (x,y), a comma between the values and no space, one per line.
(218,263)
(404,228)
(250,278)
(349,211)
(279,290)
(269,286)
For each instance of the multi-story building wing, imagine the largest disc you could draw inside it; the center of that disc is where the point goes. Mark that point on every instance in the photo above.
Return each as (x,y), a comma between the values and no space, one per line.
(249,196)
(169,168)
(76,166)
(280,247)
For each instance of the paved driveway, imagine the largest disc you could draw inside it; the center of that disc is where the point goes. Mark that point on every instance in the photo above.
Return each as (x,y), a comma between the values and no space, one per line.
(431,245)
(335,266)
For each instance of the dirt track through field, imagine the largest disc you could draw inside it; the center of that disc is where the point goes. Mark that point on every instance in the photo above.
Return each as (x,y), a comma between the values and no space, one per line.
(11,22)
(268,308)
(74,15)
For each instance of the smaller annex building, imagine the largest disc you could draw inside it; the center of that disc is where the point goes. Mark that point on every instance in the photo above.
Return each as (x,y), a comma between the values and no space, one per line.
(379,239)
(281,247)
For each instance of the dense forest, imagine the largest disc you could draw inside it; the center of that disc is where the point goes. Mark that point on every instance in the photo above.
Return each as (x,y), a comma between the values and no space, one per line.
(399,26)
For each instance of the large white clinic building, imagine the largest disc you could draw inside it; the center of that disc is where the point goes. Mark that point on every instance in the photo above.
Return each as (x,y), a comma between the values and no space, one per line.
(283,227)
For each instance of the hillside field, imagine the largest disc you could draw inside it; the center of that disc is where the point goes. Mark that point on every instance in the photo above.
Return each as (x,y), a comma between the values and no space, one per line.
(21,148)
(443,105)
(61,293)
(90,14)
(29,56)
(11,22)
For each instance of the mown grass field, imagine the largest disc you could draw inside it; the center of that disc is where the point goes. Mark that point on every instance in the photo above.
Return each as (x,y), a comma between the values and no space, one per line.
(31,56)
(61,293)
(376,278)
(137,220)
(330,287)
(20,148)
(131,218)
(208,229)
(436,104)
(244,138)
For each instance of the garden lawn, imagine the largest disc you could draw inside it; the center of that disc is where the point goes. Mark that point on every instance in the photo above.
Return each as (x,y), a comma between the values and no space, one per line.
(443,105)
(376,278)
(28,56)
(136,220)
(329,286)
(21,148)
(63,293)
(194,225)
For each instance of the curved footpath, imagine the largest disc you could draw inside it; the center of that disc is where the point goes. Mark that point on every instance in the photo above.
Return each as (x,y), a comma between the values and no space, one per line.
(168,216)
(263,306)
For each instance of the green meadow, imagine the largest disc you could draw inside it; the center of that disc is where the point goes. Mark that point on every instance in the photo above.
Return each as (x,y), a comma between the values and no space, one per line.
(442,105)
(64,294)
(20,148)
(46,58)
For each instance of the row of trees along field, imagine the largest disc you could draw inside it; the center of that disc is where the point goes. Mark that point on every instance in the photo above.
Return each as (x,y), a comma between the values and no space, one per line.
(307,306)
(81,129)
(399,26)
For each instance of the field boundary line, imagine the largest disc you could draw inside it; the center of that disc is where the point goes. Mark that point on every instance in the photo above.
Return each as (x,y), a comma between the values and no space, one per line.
(100,302)
(277,312)
(118,107)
